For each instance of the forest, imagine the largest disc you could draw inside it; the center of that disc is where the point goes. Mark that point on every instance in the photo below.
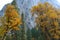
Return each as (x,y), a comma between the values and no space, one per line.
(47,19)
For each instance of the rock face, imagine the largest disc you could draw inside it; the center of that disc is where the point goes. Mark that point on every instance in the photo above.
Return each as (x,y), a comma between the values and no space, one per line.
(25,5)
(2,11)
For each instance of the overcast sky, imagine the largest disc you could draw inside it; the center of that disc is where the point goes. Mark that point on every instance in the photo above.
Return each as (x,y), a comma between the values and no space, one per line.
(58,1)
(4,2)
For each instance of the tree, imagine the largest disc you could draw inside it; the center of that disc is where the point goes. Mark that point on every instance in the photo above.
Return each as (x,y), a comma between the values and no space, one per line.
(23,30)
(29,34)
(11,19)
(16,33)
(47,20)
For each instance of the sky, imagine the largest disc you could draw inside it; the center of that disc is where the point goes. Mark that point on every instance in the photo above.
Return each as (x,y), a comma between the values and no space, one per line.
(4,2)
(58,1)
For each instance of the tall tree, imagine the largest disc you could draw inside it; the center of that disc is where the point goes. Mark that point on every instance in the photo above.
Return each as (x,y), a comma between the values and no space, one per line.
(29,34)
(23,30)
(11,19)
(47,20)
(17,33)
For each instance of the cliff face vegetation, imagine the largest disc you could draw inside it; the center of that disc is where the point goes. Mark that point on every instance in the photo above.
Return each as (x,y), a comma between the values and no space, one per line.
(47,20)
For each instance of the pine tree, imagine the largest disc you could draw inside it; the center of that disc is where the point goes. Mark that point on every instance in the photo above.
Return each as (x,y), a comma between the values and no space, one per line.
(14,2)
(23,30)
(29,34)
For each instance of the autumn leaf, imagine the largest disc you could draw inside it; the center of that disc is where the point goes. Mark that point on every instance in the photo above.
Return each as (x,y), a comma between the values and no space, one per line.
(53,15)
(16,28)
(13,19)
(56,24)
(47,18)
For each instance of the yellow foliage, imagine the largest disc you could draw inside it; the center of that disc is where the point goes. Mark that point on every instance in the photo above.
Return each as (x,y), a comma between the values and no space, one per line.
(15,21)
(11,11)
(39,8)
(12,17)
(47,19)
(16,28)
(58,32)
(53,15)
(56,24)
(10,21)
(2,30)
(42,16)
(56,36)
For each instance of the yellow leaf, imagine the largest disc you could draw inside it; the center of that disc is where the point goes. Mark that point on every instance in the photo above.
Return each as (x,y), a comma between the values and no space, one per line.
(53,15)
(12,17)
(56,24)
(16,28)
(56,36)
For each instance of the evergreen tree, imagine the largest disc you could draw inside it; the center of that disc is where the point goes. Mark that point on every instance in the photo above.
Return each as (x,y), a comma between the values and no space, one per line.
(29,35)
(14,2)
(23,30)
